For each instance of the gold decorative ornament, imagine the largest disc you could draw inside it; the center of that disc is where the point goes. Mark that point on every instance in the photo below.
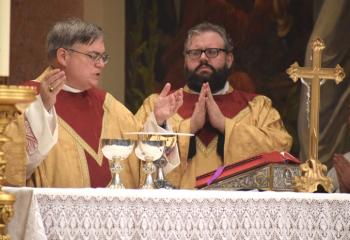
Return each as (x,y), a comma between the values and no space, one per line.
(271,177)
(11,98)
(313,171)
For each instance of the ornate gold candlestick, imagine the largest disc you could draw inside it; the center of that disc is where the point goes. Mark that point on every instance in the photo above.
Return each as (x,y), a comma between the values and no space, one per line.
(313,171)
(10,97)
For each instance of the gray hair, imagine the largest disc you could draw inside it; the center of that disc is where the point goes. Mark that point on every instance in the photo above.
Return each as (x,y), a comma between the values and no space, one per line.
(66,33)
(209,27)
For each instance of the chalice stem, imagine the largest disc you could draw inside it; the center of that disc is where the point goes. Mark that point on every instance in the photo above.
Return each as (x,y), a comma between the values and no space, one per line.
(149,168)
(116,181)
(161,181)
(160,174)
(149,184)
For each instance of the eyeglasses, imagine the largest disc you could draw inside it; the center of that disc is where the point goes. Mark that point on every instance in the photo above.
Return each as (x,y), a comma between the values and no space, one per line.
(96,57)
(209,52)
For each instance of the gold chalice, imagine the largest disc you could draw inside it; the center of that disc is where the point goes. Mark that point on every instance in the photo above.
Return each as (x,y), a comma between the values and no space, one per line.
(116,150)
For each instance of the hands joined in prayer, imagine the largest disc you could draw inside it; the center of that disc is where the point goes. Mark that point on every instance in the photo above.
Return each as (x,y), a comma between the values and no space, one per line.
(51,86)
(167,104)
(206,107)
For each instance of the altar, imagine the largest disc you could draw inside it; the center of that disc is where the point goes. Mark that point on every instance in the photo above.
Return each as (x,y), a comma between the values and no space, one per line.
(177,214)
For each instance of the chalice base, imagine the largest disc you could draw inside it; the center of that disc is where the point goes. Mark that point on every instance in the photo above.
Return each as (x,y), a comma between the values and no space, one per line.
(149,168)
(116,182)
(149,184)
(163,184)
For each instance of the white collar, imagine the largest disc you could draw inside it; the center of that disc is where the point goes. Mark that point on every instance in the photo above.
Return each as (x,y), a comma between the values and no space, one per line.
(71,89)
(223,90)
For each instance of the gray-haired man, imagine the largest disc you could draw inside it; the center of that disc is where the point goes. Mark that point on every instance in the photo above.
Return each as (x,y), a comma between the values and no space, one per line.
(71,115)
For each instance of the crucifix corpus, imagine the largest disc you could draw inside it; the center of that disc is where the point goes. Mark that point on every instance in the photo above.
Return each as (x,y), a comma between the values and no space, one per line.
(313,173)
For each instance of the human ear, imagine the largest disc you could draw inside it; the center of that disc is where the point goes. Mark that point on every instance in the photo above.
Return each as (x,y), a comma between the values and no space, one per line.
(229,59)
(61,56)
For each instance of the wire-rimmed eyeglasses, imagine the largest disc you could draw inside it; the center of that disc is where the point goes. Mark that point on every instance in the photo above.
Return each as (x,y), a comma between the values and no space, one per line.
(94,56)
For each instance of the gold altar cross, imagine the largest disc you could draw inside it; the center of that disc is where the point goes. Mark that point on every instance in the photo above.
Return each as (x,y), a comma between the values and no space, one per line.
(313,171)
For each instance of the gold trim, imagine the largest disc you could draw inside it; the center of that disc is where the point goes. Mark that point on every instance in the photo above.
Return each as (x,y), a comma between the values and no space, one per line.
(105,122)
(97,156)
(84,165)
(212,145)
(43,74)
(207,150)
(12,95)
(246,110)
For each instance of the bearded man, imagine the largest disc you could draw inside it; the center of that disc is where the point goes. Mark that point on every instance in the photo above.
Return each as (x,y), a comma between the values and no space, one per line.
(229,125)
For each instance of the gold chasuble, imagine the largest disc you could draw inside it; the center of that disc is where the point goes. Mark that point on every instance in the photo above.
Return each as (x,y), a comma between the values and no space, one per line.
(76,160)
(252,126)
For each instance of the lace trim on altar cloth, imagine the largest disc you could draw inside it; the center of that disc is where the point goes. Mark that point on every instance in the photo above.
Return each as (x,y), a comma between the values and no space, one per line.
(194,215)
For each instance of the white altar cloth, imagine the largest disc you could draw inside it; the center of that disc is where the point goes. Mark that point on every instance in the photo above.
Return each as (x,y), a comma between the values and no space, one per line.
(178,214)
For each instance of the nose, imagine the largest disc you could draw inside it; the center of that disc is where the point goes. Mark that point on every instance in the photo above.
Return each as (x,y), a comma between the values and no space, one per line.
(203,57)
(100,63)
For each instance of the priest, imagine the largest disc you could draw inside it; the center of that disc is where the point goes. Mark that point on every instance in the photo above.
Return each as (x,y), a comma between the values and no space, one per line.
(229,125)
(70,116)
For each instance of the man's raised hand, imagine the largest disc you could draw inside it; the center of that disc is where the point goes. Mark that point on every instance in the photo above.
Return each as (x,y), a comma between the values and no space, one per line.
(51,86)
(167,104)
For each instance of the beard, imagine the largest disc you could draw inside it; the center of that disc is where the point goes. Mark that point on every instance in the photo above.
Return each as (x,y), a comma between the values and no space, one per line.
(217,79)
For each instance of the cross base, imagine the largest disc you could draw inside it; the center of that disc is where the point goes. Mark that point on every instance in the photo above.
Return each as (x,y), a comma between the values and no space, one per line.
(313,178)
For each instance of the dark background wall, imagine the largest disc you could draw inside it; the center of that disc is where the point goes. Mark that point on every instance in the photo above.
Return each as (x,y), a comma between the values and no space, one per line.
(268,36)
(30,22)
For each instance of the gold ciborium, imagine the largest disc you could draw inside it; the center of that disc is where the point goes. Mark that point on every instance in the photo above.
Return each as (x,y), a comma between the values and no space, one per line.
(12,98)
